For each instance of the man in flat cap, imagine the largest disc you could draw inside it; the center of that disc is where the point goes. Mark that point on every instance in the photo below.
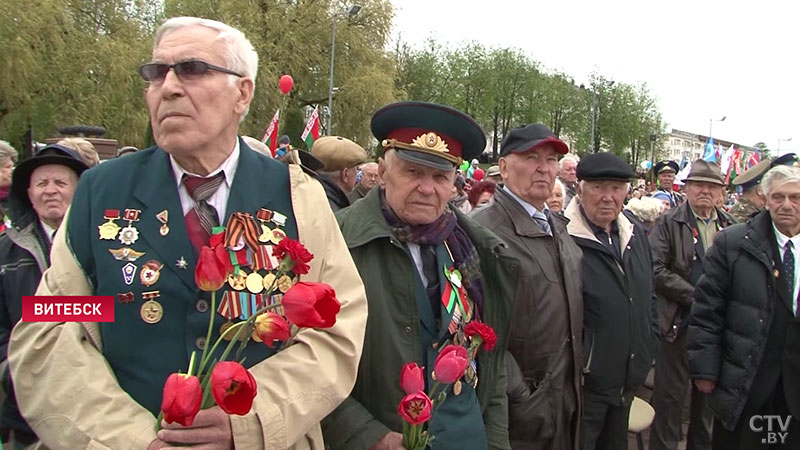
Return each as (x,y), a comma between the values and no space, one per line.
(340,158)
(545,346)
(493,175)
(620,322)
(412,250)
(665,172)
(679,240)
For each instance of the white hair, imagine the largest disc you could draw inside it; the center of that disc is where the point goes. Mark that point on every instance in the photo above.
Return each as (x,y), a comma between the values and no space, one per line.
(568,157)
(240,55)
(7,152)
(645,208)
(777,176)
(561,185)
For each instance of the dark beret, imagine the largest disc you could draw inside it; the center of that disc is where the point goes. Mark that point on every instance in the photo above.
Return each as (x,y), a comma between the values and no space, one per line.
(604,166)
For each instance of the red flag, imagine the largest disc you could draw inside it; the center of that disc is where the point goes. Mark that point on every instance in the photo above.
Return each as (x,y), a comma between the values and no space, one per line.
(271,133)
(311,133)
(754,158)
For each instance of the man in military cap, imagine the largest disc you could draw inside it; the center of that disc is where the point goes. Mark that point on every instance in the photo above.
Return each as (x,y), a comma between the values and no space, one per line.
(679,241)
(620,325)
(666,171)
(339,157)
(134,231)
(411,249)
(545,349)
(752,200)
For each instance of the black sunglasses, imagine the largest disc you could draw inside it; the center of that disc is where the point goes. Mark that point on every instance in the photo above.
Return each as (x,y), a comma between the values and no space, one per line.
(184,70)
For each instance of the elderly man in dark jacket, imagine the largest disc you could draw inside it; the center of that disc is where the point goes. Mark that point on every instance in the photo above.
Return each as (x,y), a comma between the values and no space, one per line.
(41,192)
(744,330)
(340,158)
(545,346)
(679,240)
(406,241)
(619,308)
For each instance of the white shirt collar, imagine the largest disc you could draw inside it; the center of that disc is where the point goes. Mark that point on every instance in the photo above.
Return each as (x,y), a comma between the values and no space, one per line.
(530,209)
(48,230)
(782,239)
(228,166)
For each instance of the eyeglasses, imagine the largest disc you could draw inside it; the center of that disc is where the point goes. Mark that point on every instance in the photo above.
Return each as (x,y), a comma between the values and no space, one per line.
(185,70)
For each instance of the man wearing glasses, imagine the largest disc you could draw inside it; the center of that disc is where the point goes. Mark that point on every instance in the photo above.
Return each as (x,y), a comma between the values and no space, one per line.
(100,385)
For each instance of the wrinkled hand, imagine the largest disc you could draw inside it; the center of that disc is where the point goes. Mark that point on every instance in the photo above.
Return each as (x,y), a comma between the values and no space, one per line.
(211,430)
(705,386)
(157,444)
(391,441)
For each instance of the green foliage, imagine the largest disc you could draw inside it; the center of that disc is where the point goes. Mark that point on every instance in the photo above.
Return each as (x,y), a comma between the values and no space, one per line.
(292,124)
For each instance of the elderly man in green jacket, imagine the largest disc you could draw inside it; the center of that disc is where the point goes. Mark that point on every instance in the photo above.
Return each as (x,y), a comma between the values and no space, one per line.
(404,239)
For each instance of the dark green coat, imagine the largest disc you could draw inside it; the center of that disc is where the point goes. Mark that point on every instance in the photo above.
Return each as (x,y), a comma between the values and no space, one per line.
(395,334)
(145,181)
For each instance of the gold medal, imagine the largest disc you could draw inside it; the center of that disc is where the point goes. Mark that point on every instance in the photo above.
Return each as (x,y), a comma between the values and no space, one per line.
(228,334)
(269,278)
(152,312)
(457,387)
(164,230)
(237,282)
(108,231)
(255,283)
(284,283)
(266,234)
(163,217)
(277,235)
(125,254)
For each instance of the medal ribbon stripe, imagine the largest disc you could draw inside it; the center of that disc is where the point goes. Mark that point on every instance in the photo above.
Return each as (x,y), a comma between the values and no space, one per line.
(242,226)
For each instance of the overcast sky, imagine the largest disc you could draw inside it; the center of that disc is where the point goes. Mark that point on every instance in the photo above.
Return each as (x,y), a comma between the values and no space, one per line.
(701,59)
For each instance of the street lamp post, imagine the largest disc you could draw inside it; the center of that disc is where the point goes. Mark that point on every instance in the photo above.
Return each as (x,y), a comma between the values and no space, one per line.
(711,122)
(352,12)
(596,118)
(778,151)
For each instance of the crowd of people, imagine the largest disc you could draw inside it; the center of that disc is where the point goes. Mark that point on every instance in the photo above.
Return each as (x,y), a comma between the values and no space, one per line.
(589,278)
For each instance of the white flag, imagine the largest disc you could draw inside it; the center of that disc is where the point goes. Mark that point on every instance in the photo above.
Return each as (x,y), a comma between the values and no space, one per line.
(726,160)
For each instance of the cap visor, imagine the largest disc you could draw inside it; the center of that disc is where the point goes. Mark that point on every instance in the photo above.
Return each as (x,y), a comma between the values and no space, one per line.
(558,145)
(425,159)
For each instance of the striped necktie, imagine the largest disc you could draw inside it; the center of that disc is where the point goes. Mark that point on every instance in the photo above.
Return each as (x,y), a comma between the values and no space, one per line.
(541,220)
(201,219)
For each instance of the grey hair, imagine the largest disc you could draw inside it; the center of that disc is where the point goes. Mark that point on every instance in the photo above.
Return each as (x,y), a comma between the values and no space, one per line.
(645,208)
(568,157)
(240,55)
(777,176)
(561,185)
(7,152)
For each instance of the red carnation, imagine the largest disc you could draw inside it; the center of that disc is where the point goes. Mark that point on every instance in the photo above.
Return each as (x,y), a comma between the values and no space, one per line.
(311,305)
(481,331)
(233,387)
(293,255)
(181,400)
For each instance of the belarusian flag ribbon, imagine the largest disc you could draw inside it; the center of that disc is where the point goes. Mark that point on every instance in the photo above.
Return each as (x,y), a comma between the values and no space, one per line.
(454,292)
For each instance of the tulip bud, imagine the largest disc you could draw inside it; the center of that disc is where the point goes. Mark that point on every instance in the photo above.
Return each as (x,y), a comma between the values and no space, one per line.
(450,364)
(271,327)
(181,400)
(412,378)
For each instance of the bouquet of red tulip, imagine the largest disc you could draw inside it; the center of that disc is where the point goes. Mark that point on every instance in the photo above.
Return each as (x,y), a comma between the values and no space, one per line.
(228,383)
(417,407)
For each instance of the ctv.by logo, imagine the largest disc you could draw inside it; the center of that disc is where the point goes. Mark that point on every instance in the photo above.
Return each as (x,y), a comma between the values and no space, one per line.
(777,428)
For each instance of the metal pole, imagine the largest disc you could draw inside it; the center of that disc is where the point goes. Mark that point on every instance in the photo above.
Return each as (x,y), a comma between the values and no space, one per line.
(710,121)
(330,87)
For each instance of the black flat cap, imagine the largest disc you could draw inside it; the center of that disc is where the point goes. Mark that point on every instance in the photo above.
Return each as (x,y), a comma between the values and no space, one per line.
(528,137)
(666,166)
(604,166)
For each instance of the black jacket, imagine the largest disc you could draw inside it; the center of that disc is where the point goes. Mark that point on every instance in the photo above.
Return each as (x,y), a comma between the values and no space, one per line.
(620,323)
(336,196)
(736,303)
(23,258)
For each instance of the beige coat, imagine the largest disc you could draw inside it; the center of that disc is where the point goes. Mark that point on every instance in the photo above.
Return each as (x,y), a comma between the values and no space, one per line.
(71,399)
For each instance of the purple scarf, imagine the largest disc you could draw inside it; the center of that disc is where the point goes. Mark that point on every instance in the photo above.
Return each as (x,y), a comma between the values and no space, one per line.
(443,229)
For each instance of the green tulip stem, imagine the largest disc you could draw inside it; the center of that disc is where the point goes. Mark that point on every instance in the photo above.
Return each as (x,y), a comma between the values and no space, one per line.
(191,364)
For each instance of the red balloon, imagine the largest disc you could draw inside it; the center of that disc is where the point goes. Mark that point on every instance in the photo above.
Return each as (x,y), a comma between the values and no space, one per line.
(286,83)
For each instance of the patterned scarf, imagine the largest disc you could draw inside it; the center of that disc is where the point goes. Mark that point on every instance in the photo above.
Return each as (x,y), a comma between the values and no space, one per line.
(443,229)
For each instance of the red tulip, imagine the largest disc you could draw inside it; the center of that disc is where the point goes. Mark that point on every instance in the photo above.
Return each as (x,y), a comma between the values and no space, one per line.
(311,305)
(233,387)
(415,408)
(412,378)
(298,255)
(450,364)
(271,327)
(210,274)
(484,332)
(181,400)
